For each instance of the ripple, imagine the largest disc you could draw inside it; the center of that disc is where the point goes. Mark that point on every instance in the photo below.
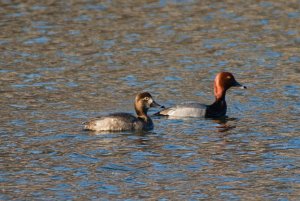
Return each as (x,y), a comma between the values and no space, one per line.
(82,18)
(20,14)
(173,78)
(130,80)
(132,37)
(38,7)
(294,14)
(97,7)
(39,40)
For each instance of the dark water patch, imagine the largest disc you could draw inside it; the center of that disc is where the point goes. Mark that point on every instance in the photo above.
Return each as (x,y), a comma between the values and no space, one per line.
(19,106)
(96,7)
(107,44)
(51,69)
(131,38)
(17,15)
(266,4)
(41,25)
(83,159)
(74,32)
(172,78)
(115,168)
(146,49)
(294,14)
(18,122)
(38,7)
(130,80)
(82,18)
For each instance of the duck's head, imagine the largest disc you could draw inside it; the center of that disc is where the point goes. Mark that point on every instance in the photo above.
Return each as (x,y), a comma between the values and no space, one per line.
(223,82)
(143,101)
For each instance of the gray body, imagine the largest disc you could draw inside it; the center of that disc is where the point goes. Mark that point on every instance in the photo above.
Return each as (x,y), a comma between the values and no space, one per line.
(185,110)
(119,122)
(223,82)
(126,121)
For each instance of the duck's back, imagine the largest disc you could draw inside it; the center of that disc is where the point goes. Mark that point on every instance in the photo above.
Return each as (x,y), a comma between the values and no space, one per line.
(185,110)
(114,122)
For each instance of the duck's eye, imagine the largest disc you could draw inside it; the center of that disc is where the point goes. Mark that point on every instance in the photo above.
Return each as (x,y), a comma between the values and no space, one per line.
(228,77)
(146,98)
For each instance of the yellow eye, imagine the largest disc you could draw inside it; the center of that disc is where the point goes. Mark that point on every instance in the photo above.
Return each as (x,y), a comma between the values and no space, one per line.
(228,77)
(146,98)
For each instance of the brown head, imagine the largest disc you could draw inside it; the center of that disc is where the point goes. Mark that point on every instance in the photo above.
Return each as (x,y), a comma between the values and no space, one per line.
(143,101)
(223,82)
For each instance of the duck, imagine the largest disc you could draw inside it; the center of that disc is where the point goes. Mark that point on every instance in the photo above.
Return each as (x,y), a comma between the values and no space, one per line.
(223,81)
(126,121)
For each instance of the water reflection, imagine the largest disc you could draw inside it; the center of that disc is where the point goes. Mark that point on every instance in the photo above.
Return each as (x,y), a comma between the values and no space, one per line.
(224,125)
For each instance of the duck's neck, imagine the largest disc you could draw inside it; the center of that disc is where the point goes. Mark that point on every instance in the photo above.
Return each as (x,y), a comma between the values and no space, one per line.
(219,107)
(220,102)
(146,120)
(142,113)
(143,117)
(219,92)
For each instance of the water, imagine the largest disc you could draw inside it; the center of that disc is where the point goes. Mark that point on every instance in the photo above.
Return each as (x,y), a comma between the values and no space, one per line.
(64,62)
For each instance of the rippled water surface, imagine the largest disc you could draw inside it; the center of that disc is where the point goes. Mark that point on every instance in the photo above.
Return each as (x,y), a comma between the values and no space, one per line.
(63,62)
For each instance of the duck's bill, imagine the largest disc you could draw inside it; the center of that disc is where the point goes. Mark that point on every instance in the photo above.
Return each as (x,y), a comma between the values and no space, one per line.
(155,104)
(236,84)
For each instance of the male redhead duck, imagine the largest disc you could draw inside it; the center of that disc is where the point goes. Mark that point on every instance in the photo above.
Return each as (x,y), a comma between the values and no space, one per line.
(126,121)
(223,82)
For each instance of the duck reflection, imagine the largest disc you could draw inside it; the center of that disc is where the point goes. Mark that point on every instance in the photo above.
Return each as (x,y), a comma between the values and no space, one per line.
(223,124)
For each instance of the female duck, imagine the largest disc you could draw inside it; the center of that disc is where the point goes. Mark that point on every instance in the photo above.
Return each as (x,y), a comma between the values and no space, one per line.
(126,121)
(223,82)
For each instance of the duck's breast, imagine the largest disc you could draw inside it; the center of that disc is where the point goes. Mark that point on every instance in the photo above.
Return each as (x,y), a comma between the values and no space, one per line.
(185,110)
(112,122)
(142,124)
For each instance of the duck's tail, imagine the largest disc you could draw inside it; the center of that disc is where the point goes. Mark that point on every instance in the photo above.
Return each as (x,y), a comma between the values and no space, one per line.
(163,112)
(86,125)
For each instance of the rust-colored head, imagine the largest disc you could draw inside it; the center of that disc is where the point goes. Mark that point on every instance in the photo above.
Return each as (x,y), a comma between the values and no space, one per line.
(224,81)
